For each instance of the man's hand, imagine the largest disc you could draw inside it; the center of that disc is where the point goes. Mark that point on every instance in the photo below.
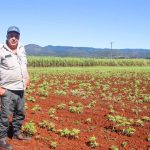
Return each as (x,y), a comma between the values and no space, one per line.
(27,82)
(2,91)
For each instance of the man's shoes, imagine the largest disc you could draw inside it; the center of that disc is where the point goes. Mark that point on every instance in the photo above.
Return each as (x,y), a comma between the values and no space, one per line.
(4,145)
(21,137)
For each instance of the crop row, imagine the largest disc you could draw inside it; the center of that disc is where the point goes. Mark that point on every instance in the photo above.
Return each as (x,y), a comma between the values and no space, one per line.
(89,107)
(45,61)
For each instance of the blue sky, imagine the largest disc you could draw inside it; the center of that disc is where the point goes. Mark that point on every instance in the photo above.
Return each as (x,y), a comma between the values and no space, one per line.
(82,23)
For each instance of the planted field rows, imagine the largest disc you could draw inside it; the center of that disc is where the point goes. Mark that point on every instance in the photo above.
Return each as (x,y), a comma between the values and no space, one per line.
(87,108)
(47,61)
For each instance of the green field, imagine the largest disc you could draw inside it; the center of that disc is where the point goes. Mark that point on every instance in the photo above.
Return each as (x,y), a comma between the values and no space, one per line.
(45,61)
(83,70)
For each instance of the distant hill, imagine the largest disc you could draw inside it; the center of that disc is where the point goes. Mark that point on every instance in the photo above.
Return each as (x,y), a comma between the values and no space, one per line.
(68,51)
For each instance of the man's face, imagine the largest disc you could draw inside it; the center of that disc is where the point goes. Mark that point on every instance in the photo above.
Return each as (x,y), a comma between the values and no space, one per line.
(13,39)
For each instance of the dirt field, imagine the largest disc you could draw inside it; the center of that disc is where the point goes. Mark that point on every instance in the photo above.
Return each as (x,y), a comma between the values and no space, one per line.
(112,108)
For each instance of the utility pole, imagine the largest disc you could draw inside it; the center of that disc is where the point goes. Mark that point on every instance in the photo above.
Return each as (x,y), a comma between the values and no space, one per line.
(111,43)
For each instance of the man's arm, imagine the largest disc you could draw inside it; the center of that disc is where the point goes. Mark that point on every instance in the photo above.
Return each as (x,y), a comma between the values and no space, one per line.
(2,91)
(27,79)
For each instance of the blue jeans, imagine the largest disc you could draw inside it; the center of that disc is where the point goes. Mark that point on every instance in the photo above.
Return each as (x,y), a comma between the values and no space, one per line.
(12,104)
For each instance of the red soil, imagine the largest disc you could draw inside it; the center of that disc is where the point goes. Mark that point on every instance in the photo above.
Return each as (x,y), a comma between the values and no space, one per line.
(100,126)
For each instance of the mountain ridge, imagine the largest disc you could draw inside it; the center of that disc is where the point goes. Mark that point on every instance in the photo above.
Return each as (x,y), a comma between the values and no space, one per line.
(70,51)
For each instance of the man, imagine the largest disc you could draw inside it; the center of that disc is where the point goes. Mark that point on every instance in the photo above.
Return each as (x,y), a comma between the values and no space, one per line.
(14,79)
